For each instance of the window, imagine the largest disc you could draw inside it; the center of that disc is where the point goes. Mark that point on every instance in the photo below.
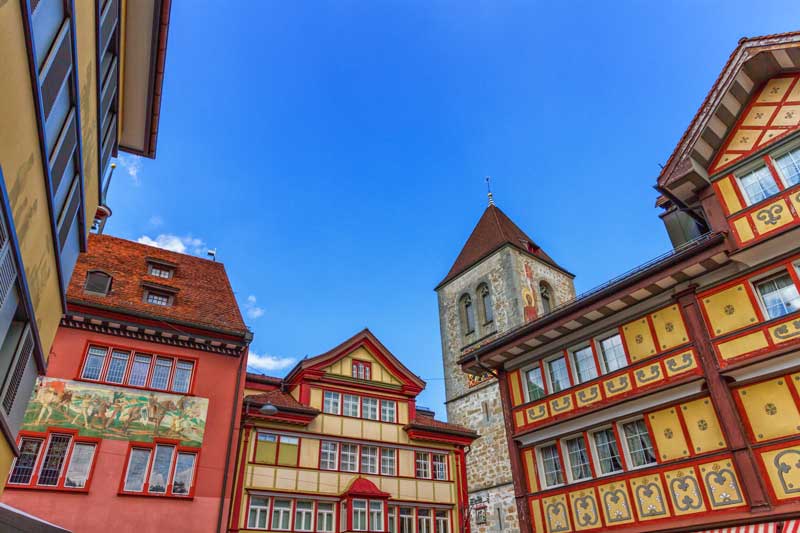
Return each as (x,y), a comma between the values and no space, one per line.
(546,294)
(585,368)
(442,522)
(183,376)
(439,461)
(375,516)
(388,461)
(789,167)
(288,448)
(388,410)
(329,453)
(325,517)
(139,370)
(612,354)
(161,372)
(117,366)
(350,405)
(362,370)
(779,295)
(369,459)
(406,520)
(276,449)
(157,298)
(258,512)
(578,459)
(94,362)
(551,465)
(424,524)
(423,469)
(637,439)
(758,185)
(52,459)
(534,384)
(559,376)
(486,304)
(607,452)
(330,403)
(349,458)
(369,408)
(160,469)
(97,283)
(303,516)
(467,314)
(159,271)
(281,514)
(392,519)
(360,515)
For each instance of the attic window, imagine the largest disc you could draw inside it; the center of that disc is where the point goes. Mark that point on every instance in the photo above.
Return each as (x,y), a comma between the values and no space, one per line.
(362,370)
(97,283)
(159,271)
(158,298)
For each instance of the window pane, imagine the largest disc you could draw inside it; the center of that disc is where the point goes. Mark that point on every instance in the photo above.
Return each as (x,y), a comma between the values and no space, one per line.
(184,472)
(360,515)
(406,520)
(331,403)
(758,185)
(551,462)
(257,517)
(328,456)
(388,462)
(54,459)
(442,522)
(281,514)
(161,373)
(139,370)
(613,353)
(369,407)
(303,515)
(533,381)
(80,463)
(350,405)
(23,467)
(183,376)
(266,448)
(559,376)
(349,462)
(578,459)
(156,298)
(287,453)
(375,516)
(54,123)
(137,468)
(388,409)
(94,362)
(159,473)
(584,364)
(45,23)
(779,295)
(439,466)
(639,444)
(369,459)
(423,469)
(424,524)
(325,517)
(789,167)
(607,451)
(117,366)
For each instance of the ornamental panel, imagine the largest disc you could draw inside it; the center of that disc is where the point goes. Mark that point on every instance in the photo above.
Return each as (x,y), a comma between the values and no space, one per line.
(786,331)
(639,340)
(617,385)
(585,509)
(648,495)
(684,491)
(772,216)
(669,327)
(770,409)
(537,413)
(556,515)
(680,363)
(616,503)
(721,484)
(729,310)
(783,471)
(588,395)
(701,420)
(648,375)
(561,404)
(670,440)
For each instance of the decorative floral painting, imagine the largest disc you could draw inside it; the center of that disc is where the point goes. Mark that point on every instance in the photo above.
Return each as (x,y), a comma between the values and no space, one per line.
(115,413)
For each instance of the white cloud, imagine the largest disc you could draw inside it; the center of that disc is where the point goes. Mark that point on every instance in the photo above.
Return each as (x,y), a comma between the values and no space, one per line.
(156,221)
(251,309)
(266,362)
(175,243)
(132,165)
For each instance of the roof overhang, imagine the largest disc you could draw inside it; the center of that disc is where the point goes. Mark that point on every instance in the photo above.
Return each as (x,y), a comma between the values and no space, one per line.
(145,25)
(424,433)
(753,62)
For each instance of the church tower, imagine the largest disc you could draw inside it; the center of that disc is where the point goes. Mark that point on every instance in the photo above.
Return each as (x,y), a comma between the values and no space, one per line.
(500,280)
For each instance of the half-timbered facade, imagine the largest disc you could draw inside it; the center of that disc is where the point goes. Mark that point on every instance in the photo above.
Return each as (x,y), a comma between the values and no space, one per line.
(340,445)
(669,398)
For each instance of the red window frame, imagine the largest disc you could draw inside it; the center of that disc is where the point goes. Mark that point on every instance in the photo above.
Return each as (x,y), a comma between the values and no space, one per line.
(361,367)
(429,460)
(279,438)
(292,513)
(132,353)
(45,437)
(178,449)
(361,396)
(415,516)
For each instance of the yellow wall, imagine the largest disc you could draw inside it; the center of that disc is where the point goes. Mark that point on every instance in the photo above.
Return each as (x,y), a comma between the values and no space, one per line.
(87,79)
(343,367)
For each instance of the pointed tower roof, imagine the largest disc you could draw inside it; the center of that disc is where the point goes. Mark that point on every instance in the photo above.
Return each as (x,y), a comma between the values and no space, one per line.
(493,231)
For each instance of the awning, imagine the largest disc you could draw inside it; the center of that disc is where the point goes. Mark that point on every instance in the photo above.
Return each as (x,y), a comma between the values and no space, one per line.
(791,526)
(769,527)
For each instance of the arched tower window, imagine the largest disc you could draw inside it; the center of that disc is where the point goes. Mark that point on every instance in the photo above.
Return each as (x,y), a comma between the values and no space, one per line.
(486,303)
(546,293)
(467,314)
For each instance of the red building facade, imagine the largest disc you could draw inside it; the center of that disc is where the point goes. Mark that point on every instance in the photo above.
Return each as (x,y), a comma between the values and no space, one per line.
(133,425)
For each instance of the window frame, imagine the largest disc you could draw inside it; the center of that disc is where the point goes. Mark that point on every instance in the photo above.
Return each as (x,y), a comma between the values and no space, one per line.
(575,368)
(426,462)
(279,438)
(153,266)
(788,270)
(360,368)
(267,510)
(547,362)
(393,403)
(177,450)
(752,168)
(468,319)
(629,463)
(377,408)
(166,296)
(445,465)
(45,437)
(601,358)
(538,365)
(335,455)
(624,467)
(487,313)
(540,464)
(564,449)
(779,153)
(109,281)
(338,394)
(394,461)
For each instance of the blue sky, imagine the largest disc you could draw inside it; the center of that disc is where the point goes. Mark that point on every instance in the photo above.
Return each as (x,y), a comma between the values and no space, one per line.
(334,152)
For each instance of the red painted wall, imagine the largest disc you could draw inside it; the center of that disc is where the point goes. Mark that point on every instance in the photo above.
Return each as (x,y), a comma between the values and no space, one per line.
(102,509)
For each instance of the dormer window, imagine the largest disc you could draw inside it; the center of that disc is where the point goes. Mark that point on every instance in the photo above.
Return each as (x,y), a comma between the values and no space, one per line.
(362,370)
(160,269)
(157,298)
(98,283)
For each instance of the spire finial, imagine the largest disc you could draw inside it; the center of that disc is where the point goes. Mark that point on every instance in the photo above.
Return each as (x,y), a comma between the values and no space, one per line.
(489,189)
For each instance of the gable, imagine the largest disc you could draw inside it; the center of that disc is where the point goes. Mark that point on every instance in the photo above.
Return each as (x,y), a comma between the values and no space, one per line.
(379,372)
(772,113)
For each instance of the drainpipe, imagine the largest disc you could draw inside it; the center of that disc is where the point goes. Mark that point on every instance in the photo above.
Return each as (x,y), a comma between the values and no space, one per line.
(236,410)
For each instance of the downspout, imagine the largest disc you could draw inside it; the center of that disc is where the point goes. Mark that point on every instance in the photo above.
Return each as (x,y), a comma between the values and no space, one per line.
(236,409)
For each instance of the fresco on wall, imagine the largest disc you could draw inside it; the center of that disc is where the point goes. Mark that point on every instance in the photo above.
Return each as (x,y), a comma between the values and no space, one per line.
(115,413)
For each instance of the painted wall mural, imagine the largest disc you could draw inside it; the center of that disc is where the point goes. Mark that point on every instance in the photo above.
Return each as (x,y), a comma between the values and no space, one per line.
(115,412)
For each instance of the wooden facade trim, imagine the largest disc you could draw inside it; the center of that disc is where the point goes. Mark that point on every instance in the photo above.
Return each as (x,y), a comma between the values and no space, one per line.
(523,511)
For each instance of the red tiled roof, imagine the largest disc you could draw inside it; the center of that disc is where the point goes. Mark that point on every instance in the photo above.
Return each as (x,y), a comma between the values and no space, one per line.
(203,297)
(494,229)
(361,486)
(263,379)
(431,424)
(281,400)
